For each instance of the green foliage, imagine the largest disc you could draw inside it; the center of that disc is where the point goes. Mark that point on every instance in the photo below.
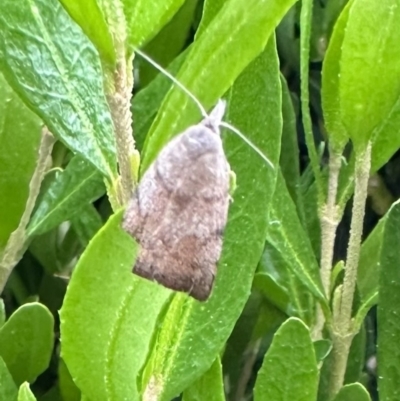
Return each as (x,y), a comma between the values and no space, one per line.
(208,387)
(355,63)
(281,323)
(66,196)
(353,392)
(26,342)
(64,83)
(90,17)
(8,389)
(103,282)
(289,370)
(20,139)
(25,393)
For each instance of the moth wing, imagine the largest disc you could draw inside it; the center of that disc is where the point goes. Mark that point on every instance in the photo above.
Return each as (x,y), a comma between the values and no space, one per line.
(180,211)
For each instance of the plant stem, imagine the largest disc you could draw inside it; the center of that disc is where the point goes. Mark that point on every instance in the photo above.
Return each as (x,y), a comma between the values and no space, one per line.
(340,352)
(343,328)
(119,92)
(120,105)
(329,217)
(329,222)
(362,167)
(16,244)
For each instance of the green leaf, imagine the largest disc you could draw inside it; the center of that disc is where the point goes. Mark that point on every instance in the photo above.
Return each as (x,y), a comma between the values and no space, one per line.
(45,249)
(147,102)
(322,349)
(273,291)
(276,280)
(306,14)
(211,9)
(288,38)
(353,392)
(87,224)
(254,22)
(170,41)
(369,68)
(194,331)
(290,150)
(287,235)
(68,389)
(309,216)
(330,90)
(256,325)
(385,140)
(88,15)
(356,358)
(51,64)
(25,393)
(389,310)
(8,389)
(209,387)
(54,395)
(369,264)
(113,308)
(26,341)
(20,139)
(2,312)
(145,19)
(289,371)
(331,14)
(70,192)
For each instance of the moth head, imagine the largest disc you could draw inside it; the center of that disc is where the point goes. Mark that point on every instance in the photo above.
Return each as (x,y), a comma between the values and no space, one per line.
(201,139)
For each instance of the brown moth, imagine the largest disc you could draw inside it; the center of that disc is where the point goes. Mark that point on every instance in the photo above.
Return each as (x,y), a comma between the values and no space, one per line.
(179,210)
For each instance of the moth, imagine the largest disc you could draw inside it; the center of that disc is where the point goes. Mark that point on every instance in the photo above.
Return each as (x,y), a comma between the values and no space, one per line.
(179,210)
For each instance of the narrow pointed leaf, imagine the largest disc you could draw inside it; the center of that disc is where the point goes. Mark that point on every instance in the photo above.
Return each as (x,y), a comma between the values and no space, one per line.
(287,235)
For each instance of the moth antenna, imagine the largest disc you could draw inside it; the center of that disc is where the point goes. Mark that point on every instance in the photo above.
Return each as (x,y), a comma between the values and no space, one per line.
(247,140)
(174,80)
(215,114)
